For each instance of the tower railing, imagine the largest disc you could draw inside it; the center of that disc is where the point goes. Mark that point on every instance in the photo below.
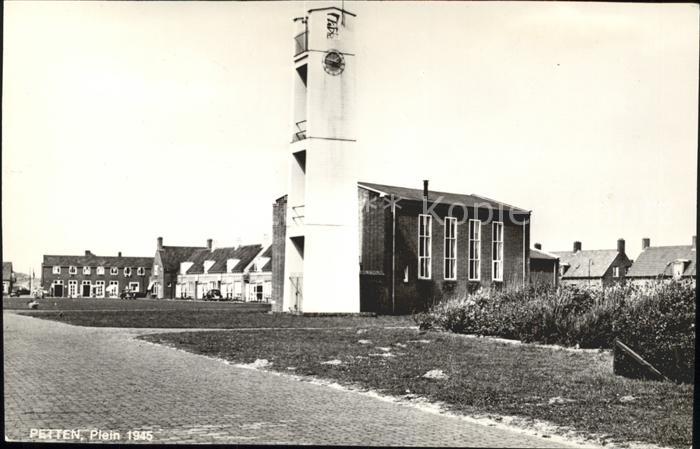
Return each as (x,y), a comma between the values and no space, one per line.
(300,133)
(301,43)
(298,214)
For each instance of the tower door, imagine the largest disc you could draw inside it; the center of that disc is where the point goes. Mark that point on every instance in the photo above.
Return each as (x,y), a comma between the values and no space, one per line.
(297,283)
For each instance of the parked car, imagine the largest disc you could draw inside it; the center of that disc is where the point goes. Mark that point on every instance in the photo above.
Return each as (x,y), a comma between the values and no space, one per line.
(214,294)
(20,291)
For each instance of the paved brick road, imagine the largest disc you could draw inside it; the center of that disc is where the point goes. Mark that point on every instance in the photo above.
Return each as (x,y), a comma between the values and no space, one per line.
(65,377)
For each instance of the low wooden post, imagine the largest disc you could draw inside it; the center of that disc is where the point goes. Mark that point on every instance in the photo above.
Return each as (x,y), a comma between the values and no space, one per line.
(637,358)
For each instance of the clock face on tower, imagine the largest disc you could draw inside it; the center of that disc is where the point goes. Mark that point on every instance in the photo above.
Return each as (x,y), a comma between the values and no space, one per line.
(333,62)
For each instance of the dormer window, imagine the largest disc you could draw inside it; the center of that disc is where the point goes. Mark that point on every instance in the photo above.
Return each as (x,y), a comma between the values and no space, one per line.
(260,263)
(563,269)
(141,271)
(114,271)
(100,271)
(56,270)
(207,265)
(86,270)
(72,270)
(679,267)
(231,265)
(127,271)
(184,266)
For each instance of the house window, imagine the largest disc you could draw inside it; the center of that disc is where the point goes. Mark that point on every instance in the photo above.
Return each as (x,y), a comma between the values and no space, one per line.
(100,271)
(86,270)
(134,287)
(425,227)
(114,271)
(474,250)
(237,291)
(99,288)
(56,270)
(616,272)
(497,251)
(405,274)
(450,248)
(113,289)
(72,270)
(141,271)
(73,288)
(127,271)
(256,292)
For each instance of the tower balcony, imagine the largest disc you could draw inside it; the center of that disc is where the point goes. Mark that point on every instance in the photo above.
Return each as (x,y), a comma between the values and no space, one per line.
(299,131)
(295,221)
(297,215)
(301,43)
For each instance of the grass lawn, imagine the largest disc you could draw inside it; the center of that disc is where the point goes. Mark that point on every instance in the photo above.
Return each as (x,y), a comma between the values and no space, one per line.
(211,318)
(483,376)
(128,304)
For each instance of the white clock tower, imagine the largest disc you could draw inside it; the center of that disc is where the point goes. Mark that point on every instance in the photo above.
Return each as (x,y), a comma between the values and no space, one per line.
(321,268)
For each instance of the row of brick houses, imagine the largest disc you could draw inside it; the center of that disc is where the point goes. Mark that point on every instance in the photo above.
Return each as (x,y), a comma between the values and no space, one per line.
(93,276)
(240,273)
(605,267)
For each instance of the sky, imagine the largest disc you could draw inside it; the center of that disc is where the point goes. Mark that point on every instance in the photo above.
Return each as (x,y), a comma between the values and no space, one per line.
(125,121)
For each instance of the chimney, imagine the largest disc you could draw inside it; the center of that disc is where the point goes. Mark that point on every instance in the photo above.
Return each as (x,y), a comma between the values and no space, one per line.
(209,243)
(577,246)
(425,189)
(646,243)
(119,254)
(538,246)
(621,246)
(88,253)
(160,243)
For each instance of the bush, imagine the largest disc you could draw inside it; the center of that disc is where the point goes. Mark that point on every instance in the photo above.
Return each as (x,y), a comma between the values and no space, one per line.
(657,321)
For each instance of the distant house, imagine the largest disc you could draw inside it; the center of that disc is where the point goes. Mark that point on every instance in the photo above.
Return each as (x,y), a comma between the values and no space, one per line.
(600,267)
(241,273)
(663,262)
(92,276)
(544,267)
(166,267)
(8,277)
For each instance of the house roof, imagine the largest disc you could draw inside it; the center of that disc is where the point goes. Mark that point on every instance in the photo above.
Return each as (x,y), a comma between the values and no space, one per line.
(7,271)
(171,256)
(586,264)
(656,261)
(92,260)
(468,200)
(245,255)
(543,255)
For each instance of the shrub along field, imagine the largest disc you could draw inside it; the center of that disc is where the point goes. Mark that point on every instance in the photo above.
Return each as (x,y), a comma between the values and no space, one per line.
(475,376)
(657,321)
